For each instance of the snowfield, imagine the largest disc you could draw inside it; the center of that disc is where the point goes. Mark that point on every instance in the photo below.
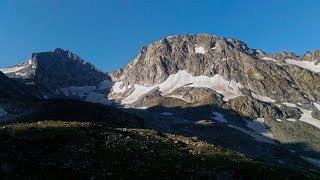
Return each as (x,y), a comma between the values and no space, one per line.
(311,66)
(136,94)
(116,87)
(229,89)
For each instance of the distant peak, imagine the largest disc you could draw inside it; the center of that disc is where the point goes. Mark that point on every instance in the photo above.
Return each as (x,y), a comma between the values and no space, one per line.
(60,51)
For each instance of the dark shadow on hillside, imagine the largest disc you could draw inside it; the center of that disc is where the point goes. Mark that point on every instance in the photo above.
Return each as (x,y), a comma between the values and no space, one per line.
(218,133)
(214,133)
(56,149)
(80,111)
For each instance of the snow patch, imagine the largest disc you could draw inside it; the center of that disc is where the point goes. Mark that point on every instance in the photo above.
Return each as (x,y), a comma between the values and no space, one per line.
(166,113)
(96,97)
(317,106)
(204,123)
(262,98)
(2,112)
(289,104)
(116,87)
(313,161)
(219,117)
(268,59)
(255,135)
(229,89)
(11,70)
(142,108)
(311,66)
(136,94)
(199,49)
(259,126)
(307,118)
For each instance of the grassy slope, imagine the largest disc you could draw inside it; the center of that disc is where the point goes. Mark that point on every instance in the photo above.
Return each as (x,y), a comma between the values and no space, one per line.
(56,149)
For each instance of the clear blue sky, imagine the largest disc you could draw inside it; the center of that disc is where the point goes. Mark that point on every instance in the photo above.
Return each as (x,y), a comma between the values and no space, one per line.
(111,33)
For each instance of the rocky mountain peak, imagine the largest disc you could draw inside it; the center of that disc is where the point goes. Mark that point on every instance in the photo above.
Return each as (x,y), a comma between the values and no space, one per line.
(312,56)
(199,54)
(57,69)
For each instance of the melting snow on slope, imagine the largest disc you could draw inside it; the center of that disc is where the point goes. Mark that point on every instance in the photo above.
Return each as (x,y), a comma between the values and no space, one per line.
(116,87)
(289,104)
(219,117)
(317,106)
(11,70)
(256,136)
(259,126)
(262,98)
(78,91)
(306,115)
(229,89)
(136,94)
(2,112)
(96,97)
(262,134)
(313,161)
(268,59)
(311,66)
(199,50)
(307,118)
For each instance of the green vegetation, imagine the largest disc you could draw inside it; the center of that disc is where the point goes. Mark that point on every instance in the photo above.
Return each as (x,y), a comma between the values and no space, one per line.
(57,149)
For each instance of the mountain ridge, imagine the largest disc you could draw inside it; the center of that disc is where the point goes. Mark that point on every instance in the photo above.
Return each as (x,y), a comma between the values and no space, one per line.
(182,83)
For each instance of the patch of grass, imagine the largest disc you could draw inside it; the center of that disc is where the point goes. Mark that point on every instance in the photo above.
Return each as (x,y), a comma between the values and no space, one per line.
(57,149)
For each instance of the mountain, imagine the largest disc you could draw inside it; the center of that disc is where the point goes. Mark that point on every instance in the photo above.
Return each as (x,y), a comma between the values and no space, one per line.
(265,101)
(60,74)
(265,106)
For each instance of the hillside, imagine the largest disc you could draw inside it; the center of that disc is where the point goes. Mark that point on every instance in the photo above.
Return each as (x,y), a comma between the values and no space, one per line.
(57,149)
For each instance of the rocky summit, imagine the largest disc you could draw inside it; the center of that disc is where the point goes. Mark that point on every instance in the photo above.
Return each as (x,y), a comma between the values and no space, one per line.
(263,106)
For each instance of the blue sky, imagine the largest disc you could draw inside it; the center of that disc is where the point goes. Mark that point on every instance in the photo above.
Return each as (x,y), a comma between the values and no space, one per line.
(111,33)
